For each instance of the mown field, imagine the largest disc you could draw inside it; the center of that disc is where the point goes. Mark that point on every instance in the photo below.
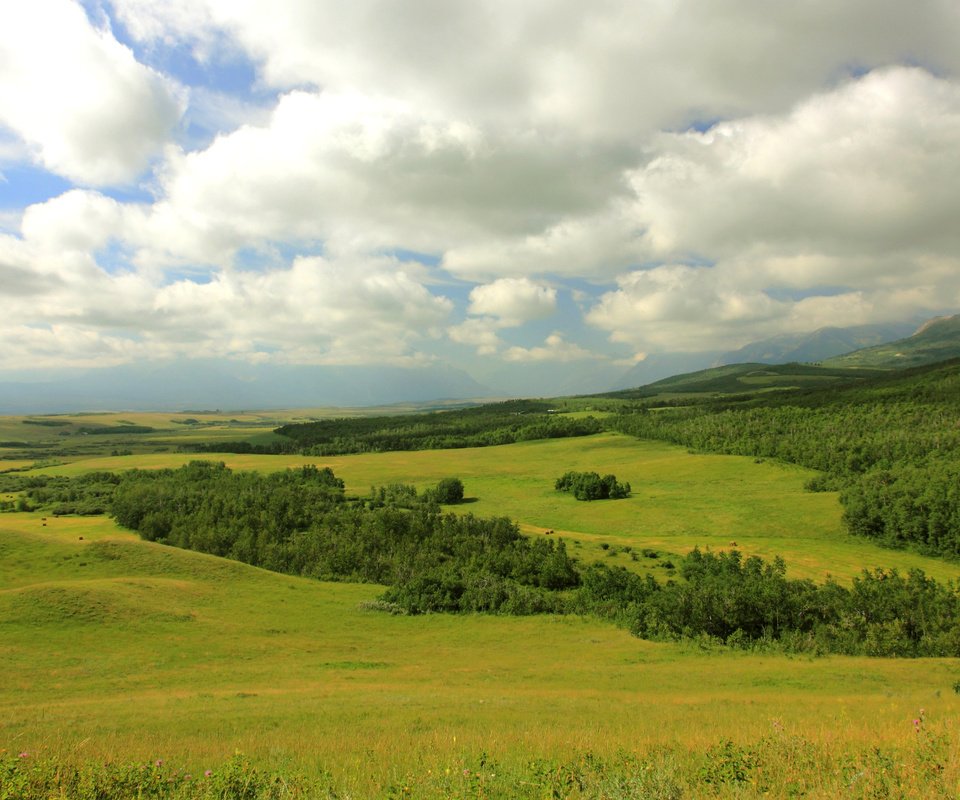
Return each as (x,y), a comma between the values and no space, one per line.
(122,650)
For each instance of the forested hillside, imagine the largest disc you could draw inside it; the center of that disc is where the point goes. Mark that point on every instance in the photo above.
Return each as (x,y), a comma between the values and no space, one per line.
(936,340)
(890,444)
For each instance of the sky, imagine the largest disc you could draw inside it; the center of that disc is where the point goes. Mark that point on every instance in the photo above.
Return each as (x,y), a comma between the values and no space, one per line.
(497,185)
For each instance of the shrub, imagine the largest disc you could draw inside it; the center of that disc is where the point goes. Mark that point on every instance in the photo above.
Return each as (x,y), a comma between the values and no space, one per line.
(449,491)
(590,486)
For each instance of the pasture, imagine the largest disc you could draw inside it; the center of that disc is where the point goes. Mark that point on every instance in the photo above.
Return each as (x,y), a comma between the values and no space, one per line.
(119,649)
(680,500)
(122,650)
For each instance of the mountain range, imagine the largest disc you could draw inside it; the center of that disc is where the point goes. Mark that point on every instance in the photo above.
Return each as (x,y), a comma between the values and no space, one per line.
(209,384)
(811,347)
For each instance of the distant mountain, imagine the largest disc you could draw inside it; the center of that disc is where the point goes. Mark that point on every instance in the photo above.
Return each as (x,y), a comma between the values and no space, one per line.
(207,384)
(817,346)
(658,366)
(546,379)
(749,379)
(936,340)
(809,347)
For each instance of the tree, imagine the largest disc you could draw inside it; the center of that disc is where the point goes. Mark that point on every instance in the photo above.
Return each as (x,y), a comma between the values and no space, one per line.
(450,491)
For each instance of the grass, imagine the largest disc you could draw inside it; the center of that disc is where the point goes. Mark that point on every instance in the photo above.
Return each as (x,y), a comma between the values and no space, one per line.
(680,500)
(118,649)
(28,438)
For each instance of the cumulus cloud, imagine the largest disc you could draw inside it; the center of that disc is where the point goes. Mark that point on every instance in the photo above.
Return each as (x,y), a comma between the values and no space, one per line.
(554,348)
(513,300)
(845,199)
(78,98)
(861,169)
(600,68)
(480,332)
(364,173)
(76,220)
(29,347)
(702,174)
(681,308)
(316,311)
(504,303)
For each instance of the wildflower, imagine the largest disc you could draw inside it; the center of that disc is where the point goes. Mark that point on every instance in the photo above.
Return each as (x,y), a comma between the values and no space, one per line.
(24,755)
(159,763)
(207,773)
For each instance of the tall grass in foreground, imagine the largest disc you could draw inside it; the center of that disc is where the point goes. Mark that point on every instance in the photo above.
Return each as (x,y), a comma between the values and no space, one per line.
(778,765)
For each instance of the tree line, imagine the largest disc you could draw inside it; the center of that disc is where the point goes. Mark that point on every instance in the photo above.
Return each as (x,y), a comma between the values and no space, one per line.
(481,426)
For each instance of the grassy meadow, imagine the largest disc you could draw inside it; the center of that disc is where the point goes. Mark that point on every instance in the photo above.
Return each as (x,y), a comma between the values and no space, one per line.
(680,500)
(114,649)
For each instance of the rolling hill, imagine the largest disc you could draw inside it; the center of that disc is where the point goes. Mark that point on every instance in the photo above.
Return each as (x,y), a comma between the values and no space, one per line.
(748,378)
(935,340)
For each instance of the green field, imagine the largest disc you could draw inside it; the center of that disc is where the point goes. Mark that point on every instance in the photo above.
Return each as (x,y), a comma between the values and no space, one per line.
(119,649)
(680,500)
(114,647)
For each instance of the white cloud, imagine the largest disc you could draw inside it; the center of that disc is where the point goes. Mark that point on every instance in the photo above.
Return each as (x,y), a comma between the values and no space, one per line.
(315,311)
(30,347)
(601,68)
(78,98)
(846,199)
(479,332)
(599,244)
(318,311)
(519,144)
(364,173)
(505,303)
(513,301)
(681,308)
(866,168)
(554,348)
(76,220)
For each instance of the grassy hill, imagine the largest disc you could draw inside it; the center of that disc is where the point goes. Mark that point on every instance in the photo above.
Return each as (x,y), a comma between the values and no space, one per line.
(936,340)
(735,379)
(116,649)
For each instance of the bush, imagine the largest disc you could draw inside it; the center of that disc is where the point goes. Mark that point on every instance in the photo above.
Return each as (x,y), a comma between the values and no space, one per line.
(590,486)
(449,491)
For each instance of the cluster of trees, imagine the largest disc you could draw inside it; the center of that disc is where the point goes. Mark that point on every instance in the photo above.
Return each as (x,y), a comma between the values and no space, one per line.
(751,603)
(87,494)
(481,426)
(103,430)
(891,445)
(590,486)
(911,505)
(300,522)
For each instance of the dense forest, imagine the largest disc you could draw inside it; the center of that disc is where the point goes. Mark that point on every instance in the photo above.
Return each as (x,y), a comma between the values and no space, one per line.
(300,522)
(891,446)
